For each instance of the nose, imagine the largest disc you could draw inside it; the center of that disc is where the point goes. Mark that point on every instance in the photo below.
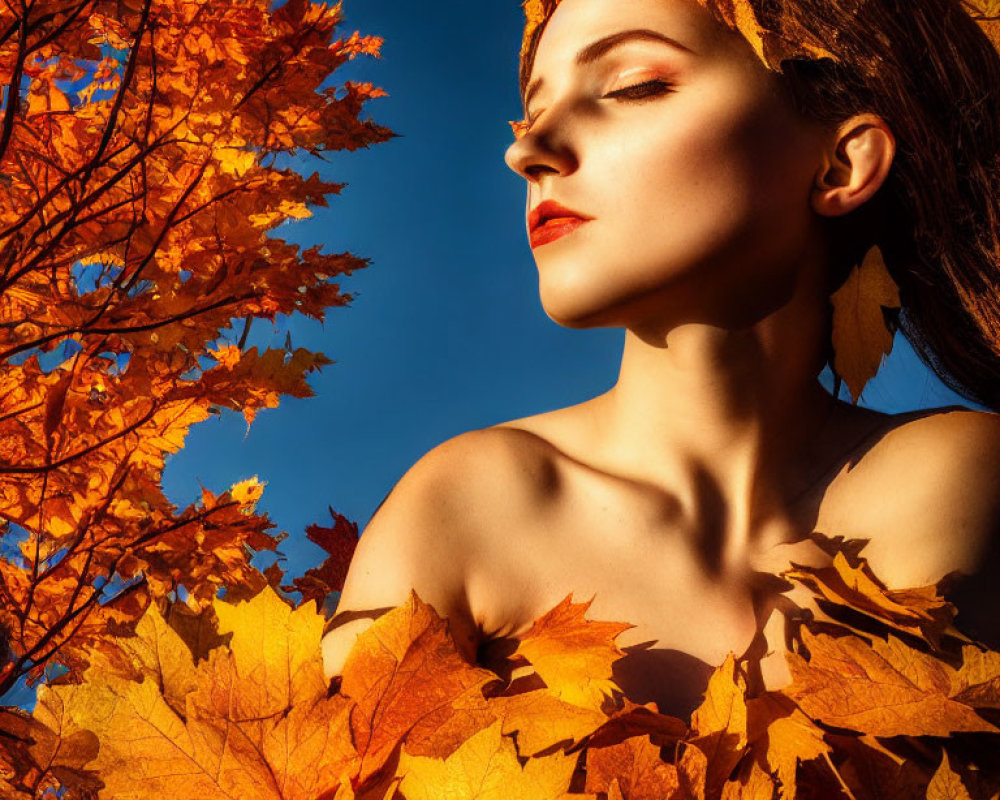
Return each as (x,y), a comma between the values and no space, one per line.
(540,152)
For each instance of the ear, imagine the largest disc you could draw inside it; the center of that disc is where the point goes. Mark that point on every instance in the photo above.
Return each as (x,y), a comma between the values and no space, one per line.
(855,165)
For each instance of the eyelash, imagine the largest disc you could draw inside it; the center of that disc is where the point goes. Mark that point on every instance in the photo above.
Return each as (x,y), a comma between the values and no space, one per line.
(642,91)
(647,90)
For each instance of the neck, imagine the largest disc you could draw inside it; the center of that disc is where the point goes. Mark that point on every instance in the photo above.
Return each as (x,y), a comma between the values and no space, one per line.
(730,420)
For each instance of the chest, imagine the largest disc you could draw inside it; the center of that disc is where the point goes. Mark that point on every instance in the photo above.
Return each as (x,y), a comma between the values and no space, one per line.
(691,602)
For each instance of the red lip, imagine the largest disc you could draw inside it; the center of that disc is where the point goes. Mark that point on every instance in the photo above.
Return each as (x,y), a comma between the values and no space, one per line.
(549,221)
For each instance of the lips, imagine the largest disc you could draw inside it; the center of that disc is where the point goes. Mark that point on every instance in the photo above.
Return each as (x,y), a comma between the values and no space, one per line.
(549,221)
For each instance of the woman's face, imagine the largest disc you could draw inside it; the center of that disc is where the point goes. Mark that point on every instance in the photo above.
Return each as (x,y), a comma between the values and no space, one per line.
(663,131)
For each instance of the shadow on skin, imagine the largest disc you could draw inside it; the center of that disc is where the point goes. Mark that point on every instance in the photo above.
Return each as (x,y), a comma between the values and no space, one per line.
(680,678)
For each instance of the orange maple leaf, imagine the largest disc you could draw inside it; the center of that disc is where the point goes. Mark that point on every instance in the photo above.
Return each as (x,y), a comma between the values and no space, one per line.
(407,679)
(585,678)
(882,688)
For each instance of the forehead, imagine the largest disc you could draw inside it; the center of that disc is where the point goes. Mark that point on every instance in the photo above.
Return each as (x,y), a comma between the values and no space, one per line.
(576,23)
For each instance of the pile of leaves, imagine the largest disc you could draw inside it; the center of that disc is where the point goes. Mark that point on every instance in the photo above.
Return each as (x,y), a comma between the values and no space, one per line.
(887,700)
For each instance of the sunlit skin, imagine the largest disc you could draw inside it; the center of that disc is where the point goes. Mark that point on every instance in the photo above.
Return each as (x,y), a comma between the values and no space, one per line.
(701,202)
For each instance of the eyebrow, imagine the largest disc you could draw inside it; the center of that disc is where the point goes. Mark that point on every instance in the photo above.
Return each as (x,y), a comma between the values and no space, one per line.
(595,50)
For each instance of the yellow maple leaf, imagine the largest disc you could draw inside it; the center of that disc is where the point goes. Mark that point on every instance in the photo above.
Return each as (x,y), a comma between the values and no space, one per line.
(274,649)
(574,655)
(920,612)
(233,161)
(977,682)
(541,721)
(248,493)
(486,767)
(788,737)
(253,721)
(720,729)
(632,768)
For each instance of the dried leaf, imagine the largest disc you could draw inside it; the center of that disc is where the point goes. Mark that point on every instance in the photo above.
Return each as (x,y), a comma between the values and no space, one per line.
(485,767)
(407,679)
(243,728)
(946,784)
(787,737)
(541,722)
(719,725)
(860,336)
(920,612)
(635,765)
(883,689)
(573,655)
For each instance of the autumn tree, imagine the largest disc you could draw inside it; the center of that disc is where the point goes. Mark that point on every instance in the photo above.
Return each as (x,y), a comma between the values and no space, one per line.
(144,147)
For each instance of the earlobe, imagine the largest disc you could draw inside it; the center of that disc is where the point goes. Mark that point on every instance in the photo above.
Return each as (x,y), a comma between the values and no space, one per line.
(855,166)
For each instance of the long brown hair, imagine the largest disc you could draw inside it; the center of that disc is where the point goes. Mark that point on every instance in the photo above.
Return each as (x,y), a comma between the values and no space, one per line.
(929,70)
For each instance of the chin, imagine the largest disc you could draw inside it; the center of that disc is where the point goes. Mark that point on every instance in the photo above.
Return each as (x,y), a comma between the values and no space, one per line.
(578,313)
(570,309)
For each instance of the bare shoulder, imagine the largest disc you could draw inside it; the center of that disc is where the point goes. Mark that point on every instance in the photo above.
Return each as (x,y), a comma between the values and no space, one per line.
(432,526)
(952,455)
(931,490)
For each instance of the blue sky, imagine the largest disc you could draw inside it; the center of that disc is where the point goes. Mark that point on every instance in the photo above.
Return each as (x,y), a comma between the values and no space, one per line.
(446,333)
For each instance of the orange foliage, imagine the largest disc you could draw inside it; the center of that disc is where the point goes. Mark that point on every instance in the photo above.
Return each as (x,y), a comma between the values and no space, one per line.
(140,187)
(869,714)
(140,192)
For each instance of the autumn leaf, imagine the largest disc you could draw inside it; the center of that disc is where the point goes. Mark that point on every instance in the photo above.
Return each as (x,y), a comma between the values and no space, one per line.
(339,542)
(585,678)
(946,784)
(39,754)
(752,783)
(860,337)
(485,767)
(786,736)
(719,727)
(541,722)
(885,688)
(253,719)
(920,612)
(412,719)
(133,270)
(977,682)
(987,14)
(640,720)
(636,767)
(871,771)
(407,679)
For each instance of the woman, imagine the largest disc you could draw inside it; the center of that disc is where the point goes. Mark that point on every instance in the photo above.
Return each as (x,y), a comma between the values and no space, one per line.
(680,189)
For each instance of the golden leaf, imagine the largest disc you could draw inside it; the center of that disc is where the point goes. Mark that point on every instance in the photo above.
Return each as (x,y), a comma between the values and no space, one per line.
(946,784)
(920,612)
(247,493)
(541,721)
(248,721)
(977,682)
(486,767)
(635,766)
(882,688)
(573,655)
(860,337)
(407,679)
(788,737)
(719,726)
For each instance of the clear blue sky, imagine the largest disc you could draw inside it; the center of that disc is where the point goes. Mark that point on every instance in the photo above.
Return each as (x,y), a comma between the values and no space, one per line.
(446,333)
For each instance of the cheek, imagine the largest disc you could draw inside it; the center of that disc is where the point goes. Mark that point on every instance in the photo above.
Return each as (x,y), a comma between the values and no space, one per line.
(708,178)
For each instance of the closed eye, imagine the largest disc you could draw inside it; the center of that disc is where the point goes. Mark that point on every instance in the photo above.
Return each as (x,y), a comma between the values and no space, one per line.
(641,91)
